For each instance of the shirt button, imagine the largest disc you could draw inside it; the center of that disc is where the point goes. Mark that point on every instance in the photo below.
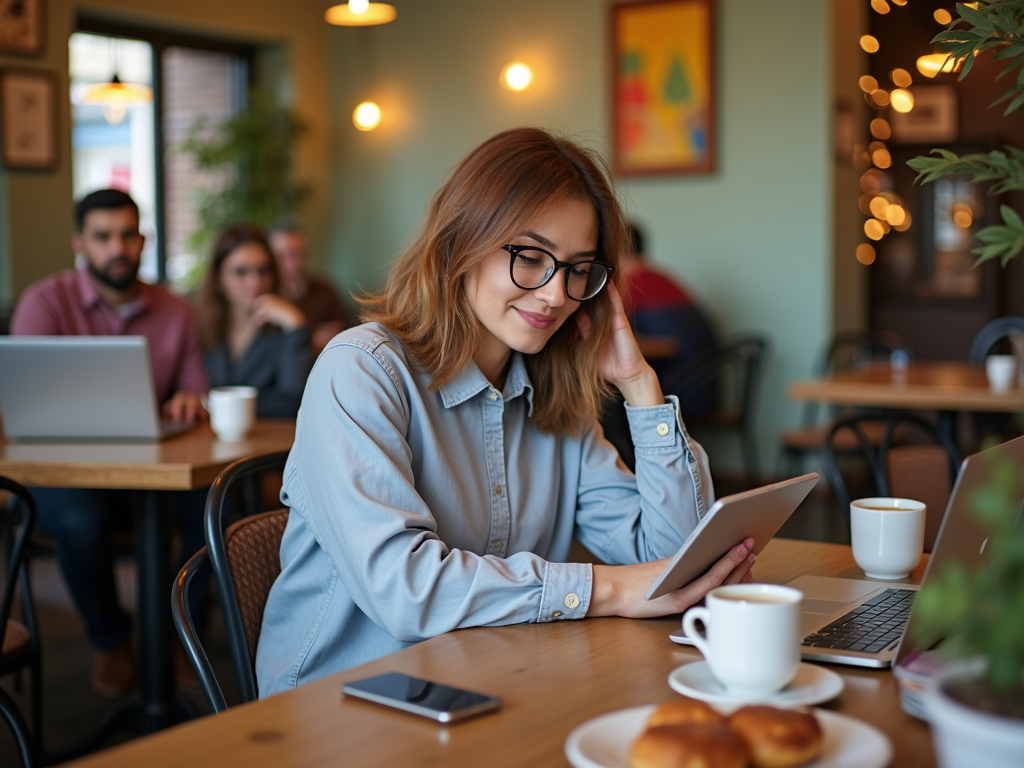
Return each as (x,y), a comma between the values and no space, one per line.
(663,429)
(492,395)
(556,614)
(497,490)
(498,544)
(571,600)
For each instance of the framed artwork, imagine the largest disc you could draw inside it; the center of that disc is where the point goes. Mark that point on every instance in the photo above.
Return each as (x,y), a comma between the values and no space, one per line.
(663,87)
(21,27)
(28,117)
(934,118)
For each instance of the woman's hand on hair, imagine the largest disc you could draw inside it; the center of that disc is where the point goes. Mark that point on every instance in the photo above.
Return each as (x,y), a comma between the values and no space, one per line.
(271,308)
(619,590)
(623,365)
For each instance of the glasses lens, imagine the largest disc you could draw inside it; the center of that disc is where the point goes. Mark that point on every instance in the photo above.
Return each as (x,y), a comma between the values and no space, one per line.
(586,280)
(531,269)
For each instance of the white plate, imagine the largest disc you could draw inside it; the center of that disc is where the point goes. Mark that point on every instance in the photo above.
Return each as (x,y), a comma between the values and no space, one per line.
(812,685)
(605,741)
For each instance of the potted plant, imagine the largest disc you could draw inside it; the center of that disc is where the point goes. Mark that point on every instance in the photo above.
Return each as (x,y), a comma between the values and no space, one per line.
(976,703)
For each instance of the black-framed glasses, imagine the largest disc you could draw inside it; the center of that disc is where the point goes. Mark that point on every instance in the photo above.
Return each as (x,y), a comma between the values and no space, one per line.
(533,267)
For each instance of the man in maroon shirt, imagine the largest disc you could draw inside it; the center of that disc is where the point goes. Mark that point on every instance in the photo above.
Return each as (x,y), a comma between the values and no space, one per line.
(105,298)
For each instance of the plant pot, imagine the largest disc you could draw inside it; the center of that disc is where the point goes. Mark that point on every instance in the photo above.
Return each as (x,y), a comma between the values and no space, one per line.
(966,736)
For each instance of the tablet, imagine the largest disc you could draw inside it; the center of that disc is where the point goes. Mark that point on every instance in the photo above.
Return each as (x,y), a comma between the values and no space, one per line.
(756,514)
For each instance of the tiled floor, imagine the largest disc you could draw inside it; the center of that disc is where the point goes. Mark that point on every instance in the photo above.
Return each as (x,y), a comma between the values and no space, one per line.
(71,709)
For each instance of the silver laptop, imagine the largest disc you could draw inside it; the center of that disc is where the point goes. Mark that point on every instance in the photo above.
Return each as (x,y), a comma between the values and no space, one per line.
(863,622)
(79,388)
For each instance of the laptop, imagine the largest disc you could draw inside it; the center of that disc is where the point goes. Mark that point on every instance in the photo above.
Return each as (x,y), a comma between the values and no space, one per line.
(80,388)
(864,622)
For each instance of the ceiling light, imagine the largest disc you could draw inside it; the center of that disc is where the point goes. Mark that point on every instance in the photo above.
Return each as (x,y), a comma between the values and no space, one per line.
(366,116)
(516,76)
(360,13)
(115,97)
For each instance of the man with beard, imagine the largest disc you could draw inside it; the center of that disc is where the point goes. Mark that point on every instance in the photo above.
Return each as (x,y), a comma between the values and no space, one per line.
(105,298)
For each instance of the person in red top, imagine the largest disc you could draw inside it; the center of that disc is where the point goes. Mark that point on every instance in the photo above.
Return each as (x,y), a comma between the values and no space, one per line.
(104,297)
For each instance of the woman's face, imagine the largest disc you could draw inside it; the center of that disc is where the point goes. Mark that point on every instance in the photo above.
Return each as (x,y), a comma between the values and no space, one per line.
(524,320)
(245,275)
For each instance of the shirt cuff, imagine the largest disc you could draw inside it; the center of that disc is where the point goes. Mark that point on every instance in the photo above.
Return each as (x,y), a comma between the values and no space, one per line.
(655,427)
(566,593)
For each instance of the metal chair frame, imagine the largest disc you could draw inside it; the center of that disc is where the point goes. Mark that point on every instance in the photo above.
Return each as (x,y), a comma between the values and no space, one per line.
(877,460)
(29,739)
(215,553)
(992,332)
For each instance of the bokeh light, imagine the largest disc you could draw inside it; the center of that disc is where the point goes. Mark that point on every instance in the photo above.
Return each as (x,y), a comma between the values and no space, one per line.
(871,182)
(864,203)
(895,215)
(880,129)
(881,6)
(879,206)
(869,44)
(881,158)
(942,16)
(963,215)
(906,222)
(865,254)
(902,101)
(933,63)
(873,229)
(366,116)
(516,76)
(868,84)
(878,98)
(901,77)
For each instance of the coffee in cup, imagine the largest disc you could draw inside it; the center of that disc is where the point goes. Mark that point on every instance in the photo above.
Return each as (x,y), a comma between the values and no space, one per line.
(887,534)
(232,411)
(753,637)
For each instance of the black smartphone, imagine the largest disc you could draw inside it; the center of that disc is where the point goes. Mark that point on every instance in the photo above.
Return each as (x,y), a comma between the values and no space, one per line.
(421,697)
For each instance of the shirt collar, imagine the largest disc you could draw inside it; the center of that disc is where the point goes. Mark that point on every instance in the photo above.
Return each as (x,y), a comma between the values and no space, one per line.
(90,297)
(472,382)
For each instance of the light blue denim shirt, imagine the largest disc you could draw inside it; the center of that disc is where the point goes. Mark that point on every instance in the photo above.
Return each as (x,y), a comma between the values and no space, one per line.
(414,513)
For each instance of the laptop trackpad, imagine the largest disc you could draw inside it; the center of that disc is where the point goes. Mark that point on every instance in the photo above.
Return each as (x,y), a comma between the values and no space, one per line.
(826,607)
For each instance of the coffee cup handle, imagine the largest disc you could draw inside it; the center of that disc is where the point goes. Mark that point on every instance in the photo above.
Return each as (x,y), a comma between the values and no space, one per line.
(690,619)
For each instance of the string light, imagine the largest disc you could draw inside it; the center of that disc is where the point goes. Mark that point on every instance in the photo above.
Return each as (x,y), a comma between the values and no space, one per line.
(366,116)
(865,254)
(869,44)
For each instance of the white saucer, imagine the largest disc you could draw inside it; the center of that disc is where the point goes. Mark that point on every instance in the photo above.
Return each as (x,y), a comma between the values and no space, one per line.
(605,741)
(812,685)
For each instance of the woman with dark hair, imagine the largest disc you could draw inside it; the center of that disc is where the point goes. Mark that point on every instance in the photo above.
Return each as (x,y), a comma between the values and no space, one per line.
(448,450)
(253,336)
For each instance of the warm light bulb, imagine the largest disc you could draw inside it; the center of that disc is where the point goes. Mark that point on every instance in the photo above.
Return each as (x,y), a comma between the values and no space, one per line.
(358,6)
(869,44)
(873,228)
(517,76)
(366,116)
(865,254)
(880,6)
(868,84)
(901,77)
(902,101)
(942,16)
(880,129)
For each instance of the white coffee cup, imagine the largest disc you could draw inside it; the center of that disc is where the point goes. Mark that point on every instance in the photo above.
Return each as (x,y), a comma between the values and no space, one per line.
(753,636)
(232,411)
(887,535)
(1000,370)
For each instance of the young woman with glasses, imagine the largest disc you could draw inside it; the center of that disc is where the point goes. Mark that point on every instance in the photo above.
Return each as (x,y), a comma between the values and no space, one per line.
(448,450)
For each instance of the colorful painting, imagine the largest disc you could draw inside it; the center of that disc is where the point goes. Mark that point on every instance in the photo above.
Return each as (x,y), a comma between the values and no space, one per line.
(663,98)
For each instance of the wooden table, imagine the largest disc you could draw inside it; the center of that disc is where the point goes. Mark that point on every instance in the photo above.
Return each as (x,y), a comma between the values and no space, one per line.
(551,677)
(182,463)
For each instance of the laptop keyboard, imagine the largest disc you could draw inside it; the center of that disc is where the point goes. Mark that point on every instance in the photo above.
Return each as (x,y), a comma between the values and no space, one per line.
(870,627)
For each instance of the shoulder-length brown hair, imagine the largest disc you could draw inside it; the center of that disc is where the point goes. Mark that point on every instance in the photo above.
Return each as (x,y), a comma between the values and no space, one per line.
(491,197)
(211,308)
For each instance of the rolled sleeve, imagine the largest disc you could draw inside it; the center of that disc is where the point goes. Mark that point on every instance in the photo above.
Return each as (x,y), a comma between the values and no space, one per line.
(567,588)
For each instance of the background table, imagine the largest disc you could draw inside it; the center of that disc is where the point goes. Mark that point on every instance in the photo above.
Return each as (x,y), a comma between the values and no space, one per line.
(551,677)
(188,461)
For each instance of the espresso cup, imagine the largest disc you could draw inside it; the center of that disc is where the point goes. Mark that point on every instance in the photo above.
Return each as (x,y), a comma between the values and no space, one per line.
(753,637)
(232,411)
(1000,370)
(887,535)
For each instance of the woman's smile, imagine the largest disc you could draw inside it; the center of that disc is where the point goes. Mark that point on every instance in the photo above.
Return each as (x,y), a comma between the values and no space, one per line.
(536,320)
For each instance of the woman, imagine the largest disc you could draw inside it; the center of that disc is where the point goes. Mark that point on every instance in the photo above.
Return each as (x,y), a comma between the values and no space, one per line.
(448,450)
(252,336)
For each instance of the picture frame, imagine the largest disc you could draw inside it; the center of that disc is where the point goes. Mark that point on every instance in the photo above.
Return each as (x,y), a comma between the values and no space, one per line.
(22,27)
(663,87)
(933,120)
(28,119)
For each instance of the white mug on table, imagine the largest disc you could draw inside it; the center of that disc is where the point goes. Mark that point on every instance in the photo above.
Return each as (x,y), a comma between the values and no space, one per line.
(887,536)
(753,636)
(232,411)
(1000,370)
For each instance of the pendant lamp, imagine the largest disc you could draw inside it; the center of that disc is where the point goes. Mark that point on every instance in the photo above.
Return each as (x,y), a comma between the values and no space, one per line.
(115,97)
(360,13)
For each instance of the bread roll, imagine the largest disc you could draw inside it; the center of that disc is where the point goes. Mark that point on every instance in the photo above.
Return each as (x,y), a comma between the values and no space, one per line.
(777,738)
(685,712)
(688,746)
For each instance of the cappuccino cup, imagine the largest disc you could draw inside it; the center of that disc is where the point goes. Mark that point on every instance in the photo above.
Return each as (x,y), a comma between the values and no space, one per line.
(887,535)
(753,637)
(1000,371)
(232,411)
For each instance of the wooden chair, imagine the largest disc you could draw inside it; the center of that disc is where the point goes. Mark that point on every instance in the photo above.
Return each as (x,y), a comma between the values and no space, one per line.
(735,368)
(921,472)
(848,351)
(20,643)
(246,561)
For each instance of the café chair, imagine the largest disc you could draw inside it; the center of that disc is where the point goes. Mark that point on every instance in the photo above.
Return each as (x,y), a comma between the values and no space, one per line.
(847,351)
(245,560)
(991,334)
(922,472)
(20,642)
(734,369)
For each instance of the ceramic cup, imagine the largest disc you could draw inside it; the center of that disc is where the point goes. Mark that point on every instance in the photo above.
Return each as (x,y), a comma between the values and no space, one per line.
(232,411)
(753,636)
(888,536)
(1000,370)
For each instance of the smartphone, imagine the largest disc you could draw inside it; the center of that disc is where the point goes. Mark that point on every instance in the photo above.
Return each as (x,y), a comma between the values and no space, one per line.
(421,697)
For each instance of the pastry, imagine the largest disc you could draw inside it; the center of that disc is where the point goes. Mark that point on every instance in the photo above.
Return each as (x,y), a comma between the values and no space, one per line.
(688,746)
(684,712)
(777,738)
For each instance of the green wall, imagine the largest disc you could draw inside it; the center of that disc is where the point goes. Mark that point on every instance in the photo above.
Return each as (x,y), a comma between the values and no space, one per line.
(753,240)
